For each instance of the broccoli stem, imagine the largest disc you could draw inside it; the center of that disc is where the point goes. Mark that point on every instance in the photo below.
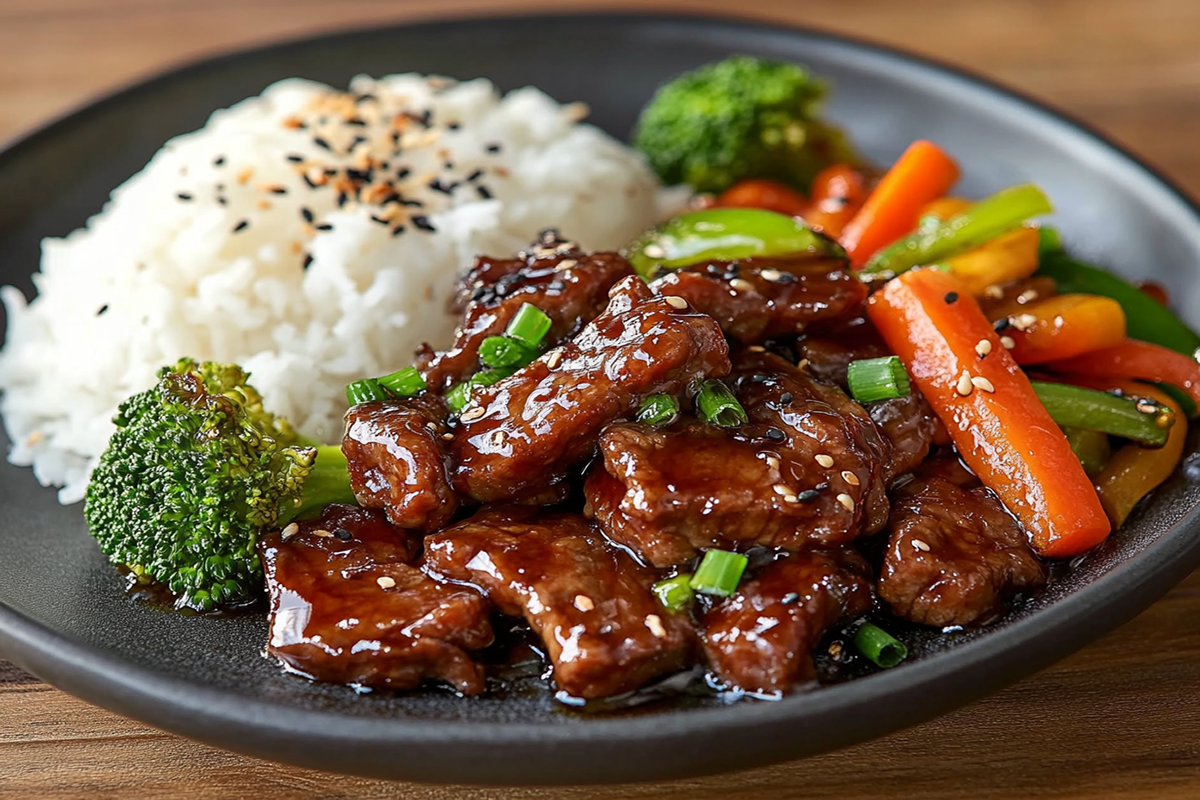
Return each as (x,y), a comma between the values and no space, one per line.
(329,482)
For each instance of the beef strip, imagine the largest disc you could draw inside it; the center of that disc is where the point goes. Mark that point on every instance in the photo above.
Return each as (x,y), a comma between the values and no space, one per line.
(346,607)
(604,631)
(756,299)
(570,286)
(954,556)
(805,470)
(398,462)
(524,433)
(760,639)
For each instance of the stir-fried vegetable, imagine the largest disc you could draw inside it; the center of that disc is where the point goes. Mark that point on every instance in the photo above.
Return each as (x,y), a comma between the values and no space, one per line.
(878,646)
(1134,418)
(658,409)
(719,573)
(367,390)
(504,355)
(724,234)
(1091,447)
(987,219)
(403,382)
(873,379)
(838,193)
(999,426)
(1009,257)
(1063,326)
(717,405)
(1137,360)
(924,172)
(674,593)
(765,194)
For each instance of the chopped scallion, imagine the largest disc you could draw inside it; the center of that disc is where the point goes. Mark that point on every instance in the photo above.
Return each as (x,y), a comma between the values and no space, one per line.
(717,405)
(674,593)
(489,376)
(879,647)
(367,390)
(658,409)
(719,573)
(873,379)
(403,383)
(458,396)
(505,351)
(530,325)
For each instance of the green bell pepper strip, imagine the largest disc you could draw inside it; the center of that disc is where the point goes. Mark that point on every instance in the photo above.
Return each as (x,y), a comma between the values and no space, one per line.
(1144,421)
(1145,318)
(724,234)
(987,219)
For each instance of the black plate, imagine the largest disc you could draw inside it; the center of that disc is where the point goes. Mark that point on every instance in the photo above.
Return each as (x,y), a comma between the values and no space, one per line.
(63,614)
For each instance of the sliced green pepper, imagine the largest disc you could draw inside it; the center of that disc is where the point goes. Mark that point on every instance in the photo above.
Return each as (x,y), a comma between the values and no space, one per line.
(987,219)
(1145,318)
(1144,421)
(724,234)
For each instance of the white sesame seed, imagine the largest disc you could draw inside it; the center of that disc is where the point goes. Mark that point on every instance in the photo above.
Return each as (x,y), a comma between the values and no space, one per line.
(771,274)
(431,425)
(497,438)
(994,292)
(1027,296)
(554,359)
(756,348)
(920,545)
(385,582)
(846,500)
(802,363)
(565,265)
(449,437)
(472,414)
(850,478)
(1007,342)
(983,347)
(34,438)
(322,533)
(964,384)
(1023,322)
(782,489)
(982,383)
(772,462)
(741,285)
(676,302)
(654,251)
(584,603)
(824,460)
(654,623)
(291,530)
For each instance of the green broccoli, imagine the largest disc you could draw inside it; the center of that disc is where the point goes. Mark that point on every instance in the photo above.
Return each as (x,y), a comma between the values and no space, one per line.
(196,469)
(739,118)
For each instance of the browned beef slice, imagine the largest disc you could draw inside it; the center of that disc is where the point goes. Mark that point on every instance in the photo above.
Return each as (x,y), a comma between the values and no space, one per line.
(570,286)
(761,638)
(346,607)
(591,604)
(806,470)
(756,299)
(526,432)
(954,556)
(398,461)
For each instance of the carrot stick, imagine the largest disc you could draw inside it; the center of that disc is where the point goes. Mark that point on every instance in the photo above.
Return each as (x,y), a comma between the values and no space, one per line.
(923,173)
(838,192)
(765,194)
(999,426)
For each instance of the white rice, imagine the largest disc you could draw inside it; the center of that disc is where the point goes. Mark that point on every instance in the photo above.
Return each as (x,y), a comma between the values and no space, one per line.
(162,272)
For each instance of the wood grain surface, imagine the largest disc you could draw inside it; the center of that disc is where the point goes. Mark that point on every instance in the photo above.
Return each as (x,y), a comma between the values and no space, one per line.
(1120,719)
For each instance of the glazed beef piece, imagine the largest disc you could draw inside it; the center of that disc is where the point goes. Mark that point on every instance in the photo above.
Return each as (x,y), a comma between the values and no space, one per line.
(806,470)
(954,556)
(398,461)
(761,638)
(756,299)
(828,355)
(346,607)
(524,433)
(570,286)
(604,631)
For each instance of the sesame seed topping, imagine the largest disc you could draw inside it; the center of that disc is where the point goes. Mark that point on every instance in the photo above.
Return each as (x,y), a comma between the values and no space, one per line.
(802,363)
(824,460)
(1146,407)
(846,500)
(849,477)
(554,358)
(983,347)
(431,425)
(783,490)
(807,496)
(741,285)
(219,161)
(483,192)
(993,292)
(385,582)
(449,437)
(422,222)
(584,603)
(245,175)
(771,275)
(291,530)
(497,438)
(492,148)
(184,196)
(1027,296)
(1023,322)
(772,462)
(472,414)
(951,297)
(654,623)
(964,385)
(1007,342)
(775,435)
(308,259)
(920,545)
(324,534)
(307,214)
(756,348)
(565,265)
(241,226)
(676,302)
(982,384)
(343,534)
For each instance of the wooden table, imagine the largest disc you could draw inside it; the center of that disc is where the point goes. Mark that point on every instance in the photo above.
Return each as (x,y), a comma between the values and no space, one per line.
(1120,719)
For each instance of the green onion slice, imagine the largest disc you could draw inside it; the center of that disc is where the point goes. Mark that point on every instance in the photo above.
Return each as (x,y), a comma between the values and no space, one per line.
(1143,420)
(505,351)
(715,404)
(368,390)
(658,409)
(879,647)
(674,593)
(530,325)
(458,396)
(873,379)
(403,383)
(719,573)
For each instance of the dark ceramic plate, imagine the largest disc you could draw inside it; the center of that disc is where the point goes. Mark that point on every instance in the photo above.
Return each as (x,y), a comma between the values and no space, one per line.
(63,613)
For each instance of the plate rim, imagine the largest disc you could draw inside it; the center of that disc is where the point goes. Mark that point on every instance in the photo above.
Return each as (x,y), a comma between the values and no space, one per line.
(179,706)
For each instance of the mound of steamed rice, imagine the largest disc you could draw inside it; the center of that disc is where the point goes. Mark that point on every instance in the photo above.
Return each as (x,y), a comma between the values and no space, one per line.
(310,234)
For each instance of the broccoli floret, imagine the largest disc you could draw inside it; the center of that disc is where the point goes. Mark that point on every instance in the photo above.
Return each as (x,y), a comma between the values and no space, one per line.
(739,118)
(196,469)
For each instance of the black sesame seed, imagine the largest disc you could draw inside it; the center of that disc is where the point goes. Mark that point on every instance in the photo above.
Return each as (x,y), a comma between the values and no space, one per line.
(343,534)
(219,161)
(445,188)
(103,308)
(241,226)
(808,495)
(184,196)
(341,199)
(396,231)
(403,173)
(775,435)
(422,222)
(363,98)
(309,181)
(484,192)
(307,214)
(356,141)
(413,203)
(494,147)
(363,175)
(1001,324)
(324,226)
(278,190)
(951,297)
(474,176)
(357,122)
(791,598)
(221,201)
(448,165)
(321,143)
(308,259)
(785,398)
(295,158)
(380,220)
(454,126)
